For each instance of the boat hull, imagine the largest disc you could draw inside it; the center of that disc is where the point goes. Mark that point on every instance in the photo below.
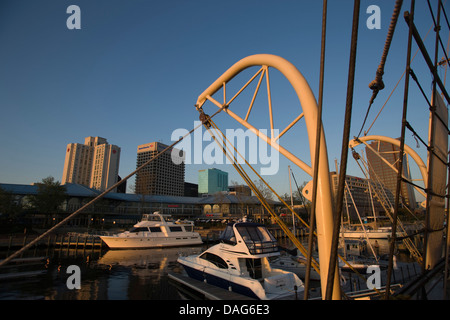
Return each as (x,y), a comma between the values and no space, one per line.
(244,286)
(219,282)
(114,242)
(370,235)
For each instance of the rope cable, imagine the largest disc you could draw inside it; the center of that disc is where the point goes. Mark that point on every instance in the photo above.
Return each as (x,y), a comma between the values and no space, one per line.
(377,84)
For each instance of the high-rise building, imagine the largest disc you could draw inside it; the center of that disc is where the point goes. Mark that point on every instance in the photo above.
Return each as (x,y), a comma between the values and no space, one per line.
(105,167)
(380,171)
(365,198)
(164,175)
(212,180)
(94,164)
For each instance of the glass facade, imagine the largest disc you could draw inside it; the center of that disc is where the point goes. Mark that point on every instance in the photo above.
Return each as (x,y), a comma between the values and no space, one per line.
(211,181)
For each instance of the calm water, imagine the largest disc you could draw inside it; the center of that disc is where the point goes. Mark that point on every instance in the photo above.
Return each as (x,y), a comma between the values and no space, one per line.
(105,275)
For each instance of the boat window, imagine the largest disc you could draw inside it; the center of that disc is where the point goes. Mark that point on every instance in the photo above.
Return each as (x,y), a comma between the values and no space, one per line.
(189,228)
(257,238)
(216,260)
(155,229)
(175,229)
(138,229)
(150,217)
(227,235)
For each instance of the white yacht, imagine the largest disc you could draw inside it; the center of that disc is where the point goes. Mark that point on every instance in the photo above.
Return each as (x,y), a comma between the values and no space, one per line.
(240,263)
(358,232)
(154,231)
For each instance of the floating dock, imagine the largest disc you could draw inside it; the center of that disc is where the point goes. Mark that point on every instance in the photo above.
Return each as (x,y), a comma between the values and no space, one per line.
(203,291)
(78,240)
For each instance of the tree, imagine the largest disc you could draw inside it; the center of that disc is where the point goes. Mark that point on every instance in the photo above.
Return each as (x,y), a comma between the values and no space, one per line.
(8,204)
(263,189)
(50,195)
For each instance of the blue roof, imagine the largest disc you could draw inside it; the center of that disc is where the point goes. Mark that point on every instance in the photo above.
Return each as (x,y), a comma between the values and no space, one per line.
(23,189)
(78,190)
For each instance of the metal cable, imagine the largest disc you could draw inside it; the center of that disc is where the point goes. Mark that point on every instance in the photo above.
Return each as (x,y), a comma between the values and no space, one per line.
(344,153)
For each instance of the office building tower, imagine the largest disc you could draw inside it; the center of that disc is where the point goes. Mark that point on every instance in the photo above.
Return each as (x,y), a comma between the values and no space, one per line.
(162,176)
(94,164)
(363,198)
(383,173)
(105,166)
(212,180)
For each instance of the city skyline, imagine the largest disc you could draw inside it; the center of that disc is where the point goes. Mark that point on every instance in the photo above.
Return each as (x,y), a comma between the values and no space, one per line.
(134,69)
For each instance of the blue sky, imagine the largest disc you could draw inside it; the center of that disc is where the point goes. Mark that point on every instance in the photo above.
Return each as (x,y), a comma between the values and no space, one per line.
(134,70)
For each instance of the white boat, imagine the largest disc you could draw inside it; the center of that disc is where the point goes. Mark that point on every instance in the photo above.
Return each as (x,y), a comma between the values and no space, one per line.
(240,263)
(153,231)
(365,233)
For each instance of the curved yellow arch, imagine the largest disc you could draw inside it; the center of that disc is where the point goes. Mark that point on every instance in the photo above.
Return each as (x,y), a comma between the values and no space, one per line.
(422,167)
(324,207)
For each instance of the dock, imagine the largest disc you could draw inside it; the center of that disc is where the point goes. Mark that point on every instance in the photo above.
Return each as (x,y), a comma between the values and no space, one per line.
(75,240)
(203,291)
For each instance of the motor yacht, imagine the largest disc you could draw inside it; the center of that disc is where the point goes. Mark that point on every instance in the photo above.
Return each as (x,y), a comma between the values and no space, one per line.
(153,231)
(240,263)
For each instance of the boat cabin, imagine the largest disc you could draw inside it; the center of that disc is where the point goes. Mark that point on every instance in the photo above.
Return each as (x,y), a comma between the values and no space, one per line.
(156,217)
(254,235)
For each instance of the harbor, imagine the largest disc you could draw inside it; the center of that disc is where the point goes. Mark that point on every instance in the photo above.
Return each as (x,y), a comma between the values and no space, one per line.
(152,274)
(218,213)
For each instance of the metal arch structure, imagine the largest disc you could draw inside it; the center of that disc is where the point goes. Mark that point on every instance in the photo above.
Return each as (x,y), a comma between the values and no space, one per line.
(407,149)
(324,204)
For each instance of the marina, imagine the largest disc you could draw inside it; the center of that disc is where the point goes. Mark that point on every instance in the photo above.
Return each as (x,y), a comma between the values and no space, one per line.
(152,274)
(384,236)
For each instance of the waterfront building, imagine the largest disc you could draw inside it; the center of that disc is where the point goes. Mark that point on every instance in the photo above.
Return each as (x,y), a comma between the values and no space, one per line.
(212,180)
(124,208)
(380,171)
(164,175)
(93,164)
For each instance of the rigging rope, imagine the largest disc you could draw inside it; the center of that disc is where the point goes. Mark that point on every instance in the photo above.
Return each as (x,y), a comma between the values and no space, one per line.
(377,84)
(395,87)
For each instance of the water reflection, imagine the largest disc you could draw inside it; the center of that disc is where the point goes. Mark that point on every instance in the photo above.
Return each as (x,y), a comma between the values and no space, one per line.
(146,272)
(110,275)
(114,274)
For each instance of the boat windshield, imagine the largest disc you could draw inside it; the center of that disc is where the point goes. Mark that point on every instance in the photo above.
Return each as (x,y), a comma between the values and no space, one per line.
(227,235)
(151,217)
(257,238)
